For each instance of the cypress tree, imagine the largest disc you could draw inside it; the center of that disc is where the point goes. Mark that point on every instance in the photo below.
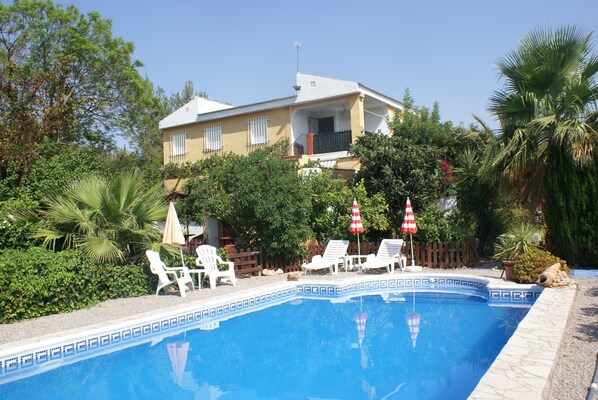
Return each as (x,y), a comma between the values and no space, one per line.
(571,208)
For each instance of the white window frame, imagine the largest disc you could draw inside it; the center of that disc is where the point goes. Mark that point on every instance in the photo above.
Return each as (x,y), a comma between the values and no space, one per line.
(257,131)
(178,143)
(212,137)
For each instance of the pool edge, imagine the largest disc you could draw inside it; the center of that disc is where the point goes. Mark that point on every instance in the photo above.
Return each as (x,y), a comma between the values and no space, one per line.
(524,367)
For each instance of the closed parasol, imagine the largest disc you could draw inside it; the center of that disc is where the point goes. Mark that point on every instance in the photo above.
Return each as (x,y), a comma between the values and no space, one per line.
(410,227)
(173,233)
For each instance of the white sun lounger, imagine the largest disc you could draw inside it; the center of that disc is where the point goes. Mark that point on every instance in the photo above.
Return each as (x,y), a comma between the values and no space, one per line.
(333,255)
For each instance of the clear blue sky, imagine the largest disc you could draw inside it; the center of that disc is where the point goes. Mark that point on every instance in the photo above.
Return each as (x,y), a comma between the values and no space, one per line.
(243,52)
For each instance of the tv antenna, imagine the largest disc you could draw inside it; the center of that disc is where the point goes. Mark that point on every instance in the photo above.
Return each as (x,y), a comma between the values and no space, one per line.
(297,45)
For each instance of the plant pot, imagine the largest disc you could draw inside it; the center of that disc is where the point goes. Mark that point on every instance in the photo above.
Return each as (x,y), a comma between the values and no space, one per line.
(507,267)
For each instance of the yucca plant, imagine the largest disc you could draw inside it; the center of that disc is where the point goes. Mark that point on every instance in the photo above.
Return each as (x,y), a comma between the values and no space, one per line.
(518,240)
(110,221)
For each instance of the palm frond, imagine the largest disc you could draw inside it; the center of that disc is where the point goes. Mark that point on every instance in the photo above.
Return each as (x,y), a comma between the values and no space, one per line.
(548,98)
(101,249)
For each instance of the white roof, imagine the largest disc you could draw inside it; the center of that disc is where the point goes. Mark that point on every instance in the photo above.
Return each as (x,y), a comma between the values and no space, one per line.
(309,88)
(189,112)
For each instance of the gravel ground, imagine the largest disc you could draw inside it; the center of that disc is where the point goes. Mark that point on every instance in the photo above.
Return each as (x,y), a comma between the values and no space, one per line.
(579,350)
(571,378)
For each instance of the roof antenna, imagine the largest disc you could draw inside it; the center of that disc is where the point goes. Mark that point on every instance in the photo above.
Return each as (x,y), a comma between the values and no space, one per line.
(297,45)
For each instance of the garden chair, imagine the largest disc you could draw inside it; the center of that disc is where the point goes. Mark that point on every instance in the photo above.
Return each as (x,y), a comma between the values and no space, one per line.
(388,253)
(168,276)
(208,259)
(333,255)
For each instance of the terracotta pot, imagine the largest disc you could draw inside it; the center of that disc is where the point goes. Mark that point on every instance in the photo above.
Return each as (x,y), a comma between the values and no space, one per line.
(508,269)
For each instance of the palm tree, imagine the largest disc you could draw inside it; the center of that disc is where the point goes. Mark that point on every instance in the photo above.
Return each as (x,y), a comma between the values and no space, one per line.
(548,102)
(108,220)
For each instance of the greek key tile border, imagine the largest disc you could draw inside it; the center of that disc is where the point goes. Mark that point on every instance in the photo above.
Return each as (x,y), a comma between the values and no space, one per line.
(17,362)
(479,287)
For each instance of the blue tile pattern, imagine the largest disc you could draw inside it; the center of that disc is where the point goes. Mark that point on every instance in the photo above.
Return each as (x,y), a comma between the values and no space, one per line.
(12,365)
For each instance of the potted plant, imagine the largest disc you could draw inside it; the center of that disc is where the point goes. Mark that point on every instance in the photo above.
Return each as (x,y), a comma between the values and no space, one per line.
(518,240)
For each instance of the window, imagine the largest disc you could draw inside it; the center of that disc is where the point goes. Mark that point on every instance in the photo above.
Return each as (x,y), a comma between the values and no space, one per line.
(212,137)
(178,146)
(258,131)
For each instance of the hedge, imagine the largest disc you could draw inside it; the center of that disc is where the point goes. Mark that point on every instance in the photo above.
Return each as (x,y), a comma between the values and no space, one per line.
(37,282)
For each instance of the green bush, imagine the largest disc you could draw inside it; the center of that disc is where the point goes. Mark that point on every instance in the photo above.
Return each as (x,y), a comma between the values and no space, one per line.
(531,264)
(118,281)
(15,231)
(37,282)
(434,226)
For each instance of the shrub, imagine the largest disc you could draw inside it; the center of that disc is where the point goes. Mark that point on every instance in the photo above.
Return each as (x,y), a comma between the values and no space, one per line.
(39,282)
(118,281)
(434,226)
(530,264)
(15,231)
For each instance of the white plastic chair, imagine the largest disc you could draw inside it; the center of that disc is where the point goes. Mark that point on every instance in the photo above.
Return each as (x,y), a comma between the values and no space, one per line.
(333,255)
(388,253)
(180,275)
(208,259)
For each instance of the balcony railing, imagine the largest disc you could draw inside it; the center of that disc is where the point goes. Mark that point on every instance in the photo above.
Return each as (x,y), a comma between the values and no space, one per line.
(330,142)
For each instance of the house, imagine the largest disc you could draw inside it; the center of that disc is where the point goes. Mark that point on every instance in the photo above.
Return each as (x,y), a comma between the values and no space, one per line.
(320,122)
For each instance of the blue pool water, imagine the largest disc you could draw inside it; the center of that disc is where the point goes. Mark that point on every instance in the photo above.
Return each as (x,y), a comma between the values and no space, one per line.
(404,346)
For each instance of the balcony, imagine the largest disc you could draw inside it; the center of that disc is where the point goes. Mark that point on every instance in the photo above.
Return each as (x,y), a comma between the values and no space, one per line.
(331,142)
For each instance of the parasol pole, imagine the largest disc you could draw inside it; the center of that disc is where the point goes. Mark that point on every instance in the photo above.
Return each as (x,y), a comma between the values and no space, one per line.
(358,249)
(183,257)
(412,258)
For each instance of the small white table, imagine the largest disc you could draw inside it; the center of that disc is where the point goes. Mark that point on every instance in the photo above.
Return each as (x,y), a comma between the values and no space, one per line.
(197,272)
(354,260)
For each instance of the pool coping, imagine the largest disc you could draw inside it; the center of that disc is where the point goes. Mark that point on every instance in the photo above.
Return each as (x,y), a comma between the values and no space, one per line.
(519,372)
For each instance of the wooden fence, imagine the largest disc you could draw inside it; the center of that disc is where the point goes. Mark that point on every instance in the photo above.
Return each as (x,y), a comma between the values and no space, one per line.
(443,255)
(428,255)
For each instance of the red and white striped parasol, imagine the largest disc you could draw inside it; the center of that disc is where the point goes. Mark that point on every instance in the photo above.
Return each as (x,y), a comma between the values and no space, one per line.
(413,324)
(356,226)
(409,226)
(360,320)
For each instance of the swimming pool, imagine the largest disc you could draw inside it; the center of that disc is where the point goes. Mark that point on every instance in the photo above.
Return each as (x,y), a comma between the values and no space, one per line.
(400,345)
(344,332)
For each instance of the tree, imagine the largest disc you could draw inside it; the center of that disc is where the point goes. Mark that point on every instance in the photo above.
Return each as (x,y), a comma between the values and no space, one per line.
(331,204)
(143,132)
(571,210)
(177,100)
(63,79)
(548,101)
(415,161)
(259,196)
(110,221)
(479,202)
(548,117)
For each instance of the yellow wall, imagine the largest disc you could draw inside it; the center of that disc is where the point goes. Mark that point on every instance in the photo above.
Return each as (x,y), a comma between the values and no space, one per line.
(357,117)
(234,135)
